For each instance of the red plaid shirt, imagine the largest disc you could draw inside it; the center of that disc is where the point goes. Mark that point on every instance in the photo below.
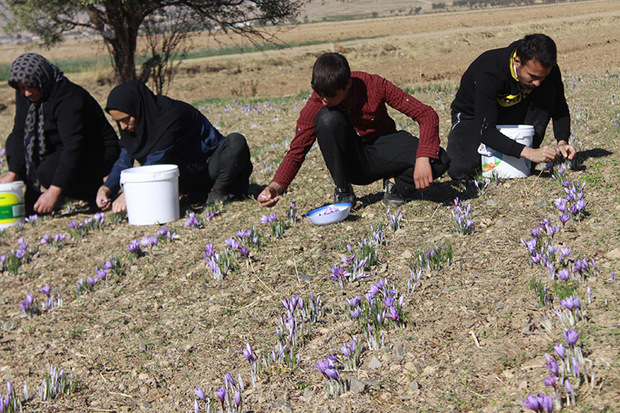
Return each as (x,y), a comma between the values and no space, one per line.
(369,118)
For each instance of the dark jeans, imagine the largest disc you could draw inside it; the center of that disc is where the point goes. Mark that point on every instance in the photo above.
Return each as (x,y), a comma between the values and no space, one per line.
(464,137)
(351,161)
(228,169)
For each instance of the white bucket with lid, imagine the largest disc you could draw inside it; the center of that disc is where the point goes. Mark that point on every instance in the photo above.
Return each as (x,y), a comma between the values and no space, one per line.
(151,194)
(502,165)
(12,208)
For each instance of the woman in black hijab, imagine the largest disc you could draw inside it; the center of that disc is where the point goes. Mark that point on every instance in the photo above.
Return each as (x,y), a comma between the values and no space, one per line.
(157,130)
(61,140)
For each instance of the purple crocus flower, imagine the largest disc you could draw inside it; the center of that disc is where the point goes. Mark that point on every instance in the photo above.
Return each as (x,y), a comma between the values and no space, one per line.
(575,367)
(244,251)
(564,219)
(535,232)
(163,231)
(559,350)
(228,379)
(392,314)
(248,353)
(46,290)
(569,388)
(264,219)
(134,246)
(550,381)
(353,302)
(45,240)
(199,393)
(571,336)
(19,254)
(237,397)
(546,403)
(553,368)
(563,274)
(232,243)
(532,403)
(91,281)
(26,305)
(221,394)
(560,204)
(102,274)
(355,313)
(145,242)
(209,250)
(72,224)
(339,273)
(58,238)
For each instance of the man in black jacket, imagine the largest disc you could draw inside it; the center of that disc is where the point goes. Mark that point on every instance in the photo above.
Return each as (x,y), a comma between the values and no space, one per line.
(518,84)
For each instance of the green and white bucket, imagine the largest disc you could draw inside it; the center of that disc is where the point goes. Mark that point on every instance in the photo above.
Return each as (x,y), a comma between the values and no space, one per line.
(12,208)
(504,166)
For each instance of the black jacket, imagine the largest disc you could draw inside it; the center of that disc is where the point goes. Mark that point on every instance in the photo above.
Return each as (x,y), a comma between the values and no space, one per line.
(75,125)
(488,87)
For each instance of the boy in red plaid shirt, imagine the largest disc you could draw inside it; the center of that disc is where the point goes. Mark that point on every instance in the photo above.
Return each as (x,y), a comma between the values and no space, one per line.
(348,116)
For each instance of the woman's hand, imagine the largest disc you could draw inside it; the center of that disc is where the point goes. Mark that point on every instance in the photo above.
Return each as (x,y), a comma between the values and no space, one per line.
(9,177)
(103,198)
(119,205)
(47,201)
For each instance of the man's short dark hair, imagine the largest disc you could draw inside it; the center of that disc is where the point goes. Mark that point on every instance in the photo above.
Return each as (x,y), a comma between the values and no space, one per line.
(331,73)
(538,47)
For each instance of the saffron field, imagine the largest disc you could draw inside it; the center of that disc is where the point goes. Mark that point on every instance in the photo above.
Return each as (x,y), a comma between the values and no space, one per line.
(507,303)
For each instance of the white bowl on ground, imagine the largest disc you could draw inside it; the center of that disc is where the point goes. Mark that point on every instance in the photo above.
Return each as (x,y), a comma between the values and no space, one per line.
(329,214)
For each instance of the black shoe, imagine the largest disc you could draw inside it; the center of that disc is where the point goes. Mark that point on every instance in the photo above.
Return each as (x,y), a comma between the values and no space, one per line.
(217,197)
(344,195)
(391,196)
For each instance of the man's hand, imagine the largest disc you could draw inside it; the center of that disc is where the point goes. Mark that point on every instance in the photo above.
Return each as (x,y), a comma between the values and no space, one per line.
(9,177)
(422,174)
(543,154)
(103,198)
(47,201)
(270,195)
(567,151)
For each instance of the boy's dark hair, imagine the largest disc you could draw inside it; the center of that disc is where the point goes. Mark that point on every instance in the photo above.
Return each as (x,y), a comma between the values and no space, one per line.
(331,73)
(538,47)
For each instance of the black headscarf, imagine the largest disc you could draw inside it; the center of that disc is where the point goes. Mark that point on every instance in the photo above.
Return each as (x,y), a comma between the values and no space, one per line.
(33,70)
(159,119)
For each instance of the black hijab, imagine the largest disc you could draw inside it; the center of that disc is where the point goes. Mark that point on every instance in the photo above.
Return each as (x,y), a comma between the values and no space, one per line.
(159,119)
(35,71)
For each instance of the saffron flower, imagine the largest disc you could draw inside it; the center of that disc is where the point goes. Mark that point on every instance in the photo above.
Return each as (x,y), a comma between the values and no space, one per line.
(559,350)
(571,336)
(46,290)
(134,247)
(199,393)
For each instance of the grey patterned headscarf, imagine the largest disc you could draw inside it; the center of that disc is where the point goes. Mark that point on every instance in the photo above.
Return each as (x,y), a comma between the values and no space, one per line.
(35,71)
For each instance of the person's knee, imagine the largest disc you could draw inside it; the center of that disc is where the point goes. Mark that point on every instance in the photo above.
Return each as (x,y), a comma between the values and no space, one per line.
(328,119)
(237,144)
(460,171)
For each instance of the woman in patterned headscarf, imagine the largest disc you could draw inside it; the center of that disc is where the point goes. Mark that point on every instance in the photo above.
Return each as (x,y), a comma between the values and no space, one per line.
(156,129)
(61,141)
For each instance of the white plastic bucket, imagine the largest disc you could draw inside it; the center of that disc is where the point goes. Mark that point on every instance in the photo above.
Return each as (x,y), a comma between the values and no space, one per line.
(504,166)
(12,208)
(151,194)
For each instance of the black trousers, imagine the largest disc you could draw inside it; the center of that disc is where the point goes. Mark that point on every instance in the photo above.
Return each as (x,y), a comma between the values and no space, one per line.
(464,137)
(228,169)
(351,161)
(84,183)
